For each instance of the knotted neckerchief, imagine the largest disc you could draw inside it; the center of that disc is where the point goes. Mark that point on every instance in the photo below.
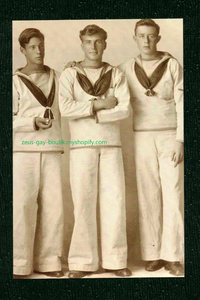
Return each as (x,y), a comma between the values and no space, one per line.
(150,82)
(39,95)
(101,85)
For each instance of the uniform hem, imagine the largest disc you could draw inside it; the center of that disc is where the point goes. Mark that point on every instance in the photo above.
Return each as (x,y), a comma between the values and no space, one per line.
(166,258)
(100,146)
(38,151)
(155,129)
(114,265)
(81,267)
(48,266)
(172,258)
(22,270)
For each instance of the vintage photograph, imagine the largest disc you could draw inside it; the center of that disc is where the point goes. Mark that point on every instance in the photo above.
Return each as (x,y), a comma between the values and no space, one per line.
(98,149)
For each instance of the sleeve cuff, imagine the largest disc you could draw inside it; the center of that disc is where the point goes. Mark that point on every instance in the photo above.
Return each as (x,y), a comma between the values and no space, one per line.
(94,113)
(36,128)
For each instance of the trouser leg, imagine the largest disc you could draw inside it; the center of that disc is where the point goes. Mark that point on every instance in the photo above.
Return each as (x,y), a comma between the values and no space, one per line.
(172,190)
(149,195)
(26,178)
(112,209)
(83,253)
(49,230)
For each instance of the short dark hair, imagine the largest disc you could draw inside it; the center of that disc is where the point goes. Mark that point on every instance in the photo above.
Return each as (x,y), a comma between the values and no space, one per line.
(91,30)
(147,22)
(27,34)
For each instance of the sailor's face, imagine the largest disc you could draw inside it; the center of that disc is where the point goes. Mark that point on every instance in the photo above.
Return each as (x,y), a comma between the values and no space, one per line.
(147,39)
(34,51)
(93,46)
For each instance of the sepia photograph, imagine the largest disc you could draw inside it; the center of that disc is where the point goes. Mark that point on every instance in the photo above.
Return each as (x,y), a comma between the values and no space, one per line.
(98,149)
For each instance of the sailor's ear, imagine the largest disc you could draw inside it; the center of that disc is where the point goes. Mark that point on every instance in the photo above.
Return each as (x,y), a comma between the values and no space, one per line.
(134,37)
(105,45)
(23,51)
(158,38)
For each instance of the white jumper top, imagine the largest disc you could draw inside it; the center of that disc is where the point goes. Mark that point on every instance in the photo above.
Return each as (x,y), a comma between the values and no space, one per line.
(26,108)
(164,110)
(75,104)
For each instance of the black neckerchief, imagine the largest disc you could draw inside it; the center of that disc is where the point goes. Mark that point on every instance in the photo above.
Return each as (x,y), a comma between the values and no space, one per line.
(150,82)
(101,85)
(39,95)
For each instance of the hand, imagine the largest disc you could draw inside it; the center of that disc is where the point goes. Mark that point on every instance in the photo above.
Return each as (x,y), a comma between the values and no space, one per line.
(110,102)
(69,64)
(107,103)
(43,123)
(177,153)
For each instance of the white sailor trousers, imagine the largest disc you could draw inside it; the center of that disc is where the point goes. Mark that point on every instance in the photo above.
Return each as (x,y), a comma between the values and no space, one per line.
(160,196)
(98,172)
(37,212)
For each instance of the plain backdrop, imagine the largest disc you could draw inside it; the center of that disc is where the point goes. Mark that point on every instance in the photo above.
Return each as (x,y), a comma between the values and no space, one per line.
(62,44)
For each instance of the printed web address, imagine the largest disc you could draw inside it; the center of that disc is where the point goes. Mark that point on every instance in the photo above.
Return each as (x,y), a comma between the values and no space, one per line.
(62,142)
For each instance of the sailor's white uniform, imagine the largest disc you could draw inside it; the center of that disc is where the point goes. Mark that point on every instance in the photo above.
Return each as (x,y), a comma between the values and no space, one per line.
(157,124)
(37,190)
(96,171)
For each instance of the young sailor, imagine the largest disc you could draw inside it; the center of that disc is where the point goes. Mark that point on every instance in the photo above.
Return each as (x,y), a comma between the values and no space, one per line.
(156,86)
(37,190)
(95,97)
